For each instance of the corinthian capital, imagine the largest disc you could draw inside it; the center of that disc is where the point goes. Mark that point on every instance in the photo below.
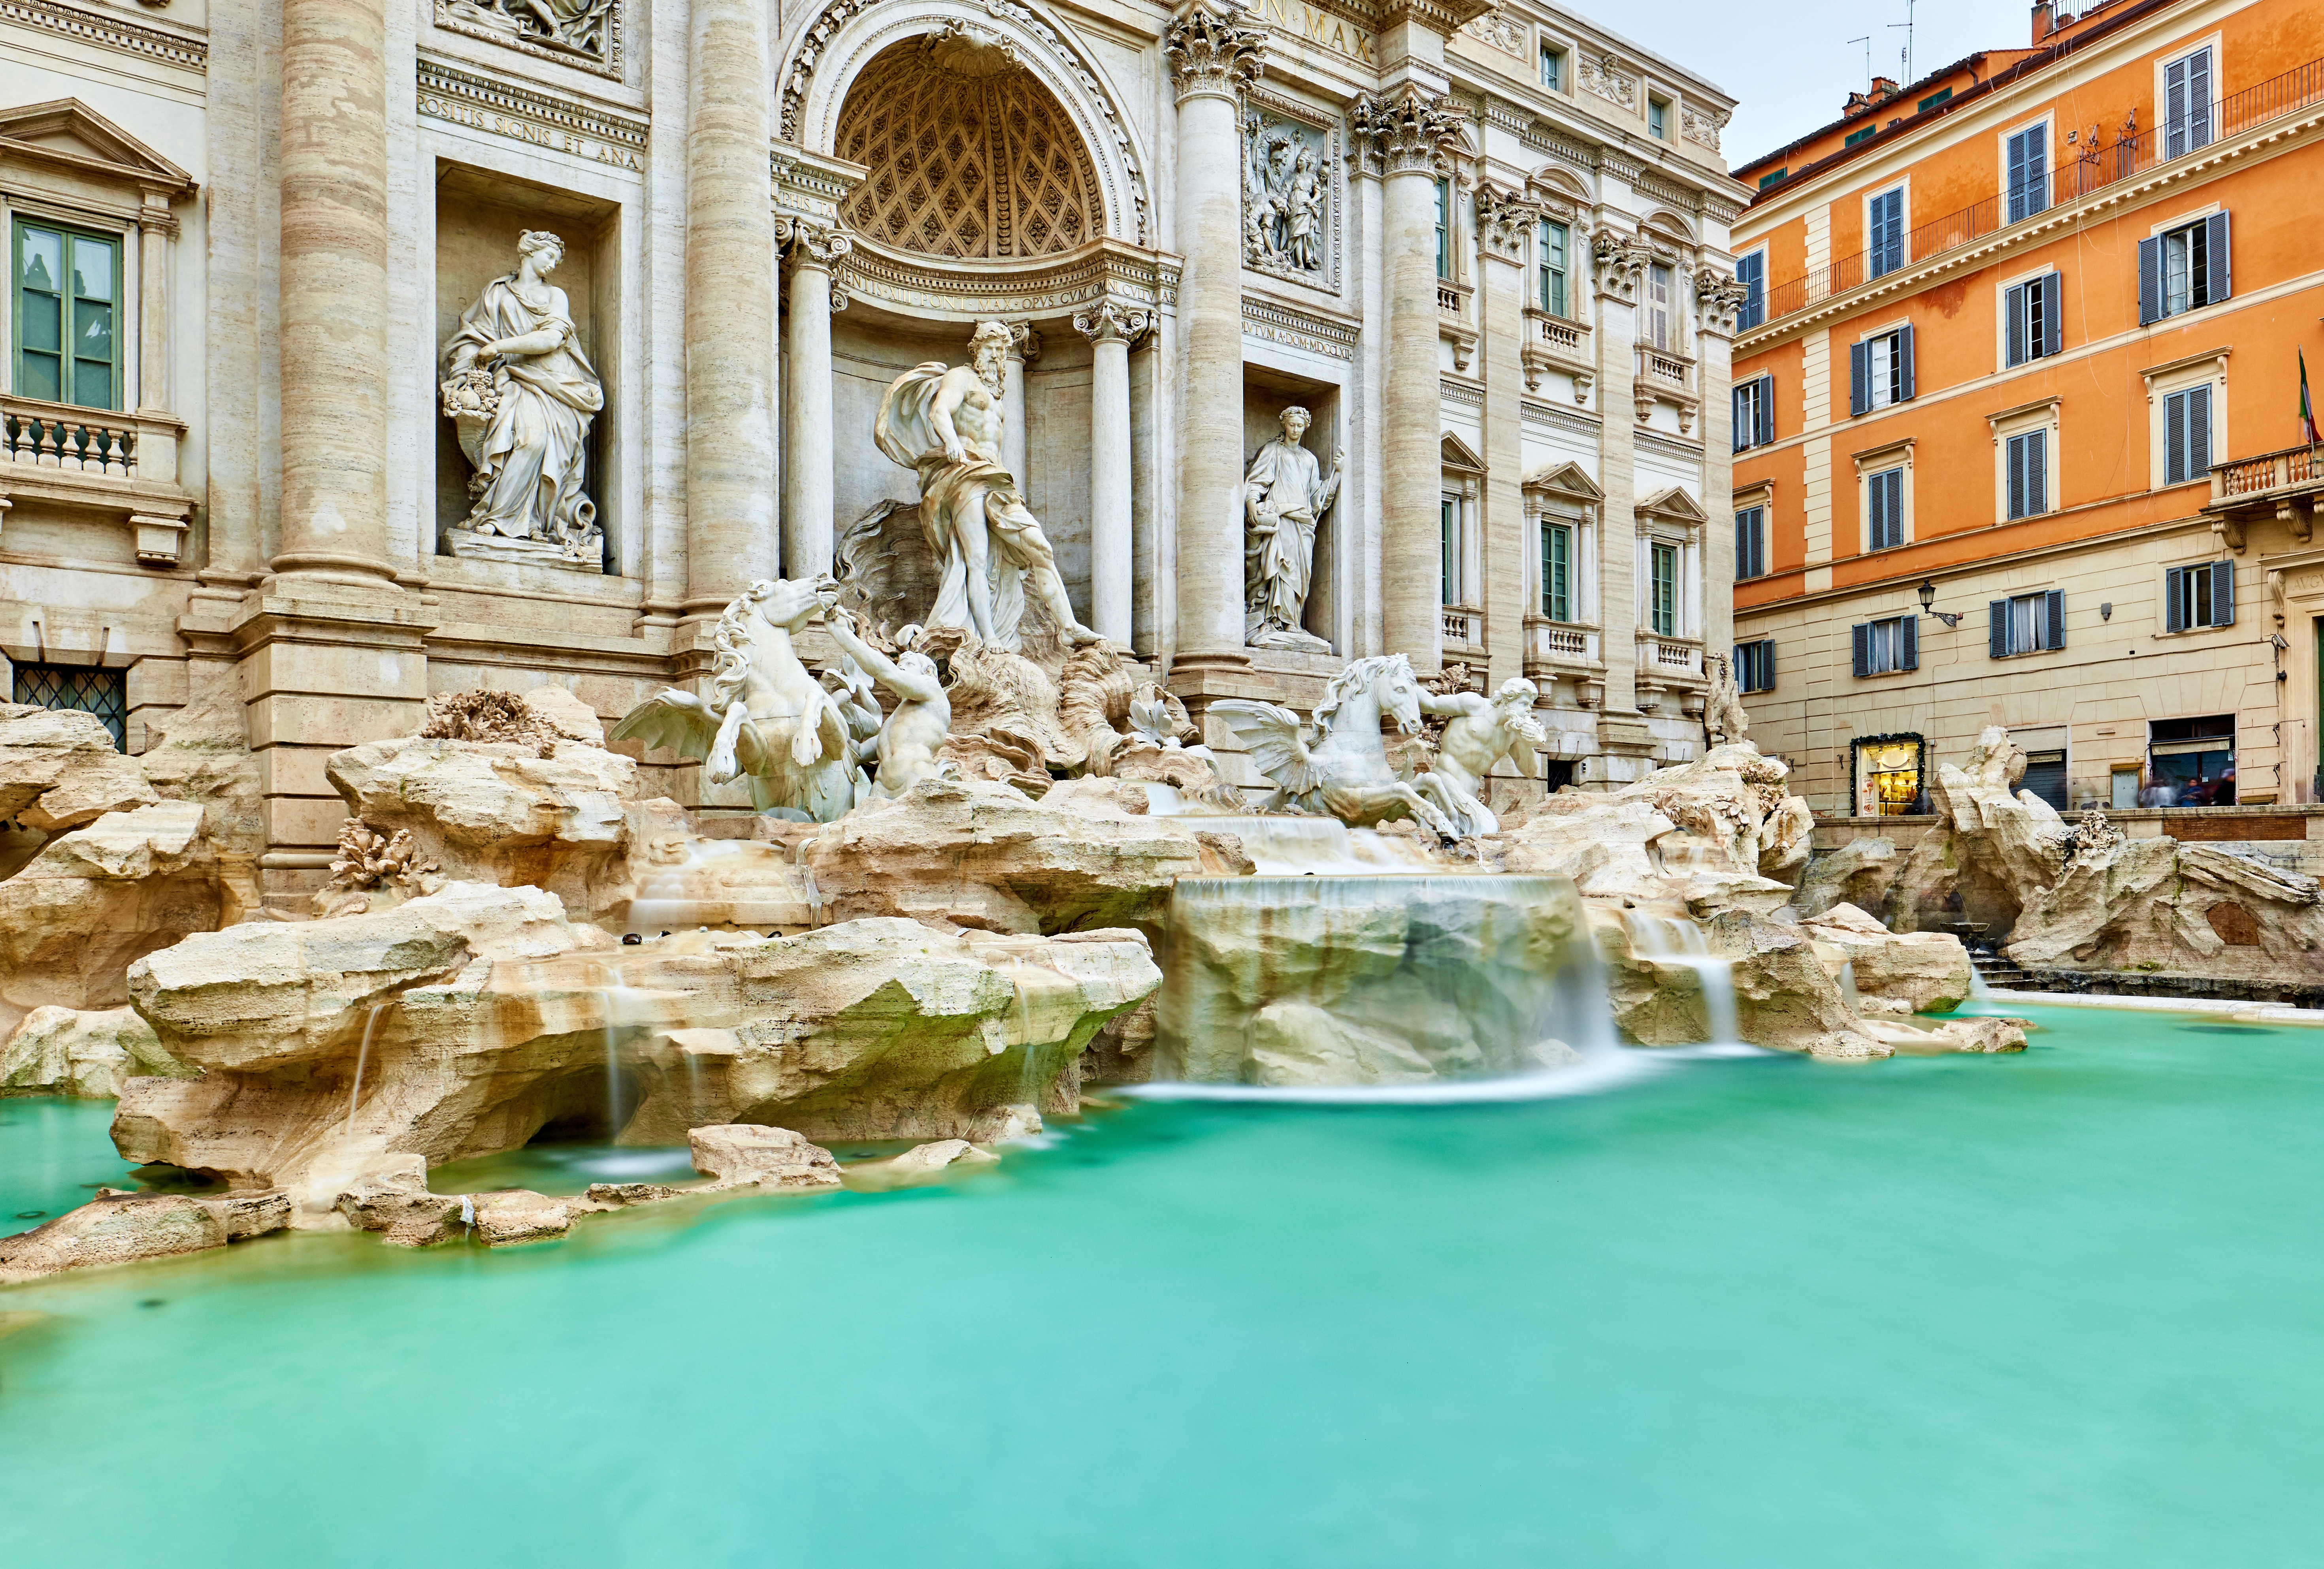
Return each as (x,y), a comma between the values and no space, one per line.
(1503,222)
(1212,51)
(1720,297)
(1410,132)
(1621,263)
(1112,320)
(812,244)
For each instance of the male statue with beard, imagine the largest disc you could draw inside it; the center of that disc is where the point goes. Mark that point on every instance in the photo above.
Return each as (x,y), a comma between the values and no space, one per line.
(1284,497)
(945,423)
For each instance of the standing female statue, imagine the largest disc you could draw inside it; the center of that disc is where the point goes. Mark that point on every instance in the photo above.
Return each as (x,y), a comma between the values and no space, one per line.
(521,394)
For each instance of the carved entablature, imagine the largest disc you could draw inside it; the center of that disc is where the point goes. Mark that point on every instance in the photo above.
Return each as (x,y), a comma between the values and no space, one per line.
(1212,52)
(1408,132)
(1290,192)
(1050,286)
(582,33)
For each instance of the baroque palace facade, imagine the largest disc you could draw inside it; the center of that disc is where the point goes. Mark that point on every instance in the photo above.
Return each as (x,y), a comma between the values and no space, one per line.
(2019,435)
(364,349)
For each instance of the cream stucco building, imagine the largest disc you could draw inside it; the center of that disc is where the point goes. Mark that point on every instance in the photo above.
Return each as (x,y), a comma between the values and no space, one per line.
(1487,249)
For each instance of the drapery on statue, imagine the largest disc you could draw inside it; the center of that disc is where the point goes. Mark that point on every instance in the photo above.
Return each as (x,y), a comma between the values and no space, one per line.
(945,423)
(1284,497)
(1483,730)
(522,396)
(1344,772)
(767,717)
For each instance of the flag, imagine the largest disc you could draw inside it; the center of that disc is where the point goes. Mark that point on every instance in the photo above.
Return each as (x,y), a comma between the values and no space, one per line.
(2307,405)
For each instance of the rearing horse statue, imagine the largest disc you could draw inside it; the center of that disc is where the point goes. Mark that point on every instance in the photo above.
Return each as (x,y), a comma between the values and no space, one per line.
(1344,774)
(767,717)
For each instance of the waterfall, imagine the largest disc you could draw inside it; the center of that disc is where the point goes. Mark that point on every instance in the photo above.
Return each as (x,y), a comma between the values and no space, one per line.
(1307,981)
(1662,940)
(354,1092)
(1979,988)
(612,1057)
(740,883)
(1848,985)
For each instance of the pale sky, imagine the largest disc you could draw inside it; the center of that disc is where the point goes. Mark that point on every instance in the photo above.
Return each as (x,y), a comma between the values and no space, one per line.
(1791,64)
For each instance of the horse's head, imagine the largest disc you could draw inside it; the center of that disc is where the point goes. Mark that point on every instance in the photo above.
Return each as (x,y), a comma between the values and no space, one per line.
(1397,691)
(792,603)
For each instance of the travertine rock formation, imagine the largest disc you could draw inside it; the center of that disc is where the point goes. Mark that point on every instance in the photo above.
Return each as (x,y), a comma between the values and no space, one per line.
(464,1022)
(61,1051)
(123,1228)
(752,1154)
(1929,972)
(59,770)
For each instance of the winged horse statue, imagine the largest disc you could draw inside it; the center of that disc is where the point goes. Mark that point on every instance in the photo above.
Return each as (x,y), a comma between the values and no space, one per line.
(1344,771)
(766,718)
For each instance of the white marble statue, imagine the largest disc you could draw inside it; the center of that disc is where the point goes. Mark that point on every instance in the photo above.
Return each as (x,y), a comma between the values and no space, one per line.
(767,718)
(1344,771)
(522,396)
(910,737)
(1283,196)
(944,422)
(1481,731)
(1284,497)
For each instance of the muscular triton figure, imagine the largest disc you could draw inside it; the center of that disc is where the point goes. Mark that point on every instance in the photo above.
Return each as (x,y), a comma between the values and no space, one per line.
(911,737)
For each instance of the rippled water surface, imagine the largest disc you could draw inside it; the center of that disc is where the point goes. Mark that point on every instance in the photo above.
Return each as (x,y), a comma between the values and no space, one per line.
(2058,1309)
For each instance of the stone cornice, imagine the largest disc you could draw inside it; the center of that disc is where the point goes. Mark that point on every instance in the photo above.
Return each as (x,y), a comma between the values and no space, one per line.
(1285,324)
(108,30)
(564,123)
(983,289)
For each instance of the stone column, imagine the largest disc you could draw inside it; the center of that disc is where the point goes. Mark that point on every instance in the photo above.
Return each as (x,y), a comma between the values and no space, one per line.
(730,306)
(808,456)
(1410,132)
(1504,226)
(333,264)
(1213,57)
(1024,348)
(1618,265)
(1110,327)
(1719,298)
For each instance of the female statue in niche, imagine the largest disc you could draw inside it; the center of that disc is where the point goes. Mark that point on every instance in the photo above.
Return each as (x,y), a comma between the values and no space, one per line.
(521,394)
(1284,497)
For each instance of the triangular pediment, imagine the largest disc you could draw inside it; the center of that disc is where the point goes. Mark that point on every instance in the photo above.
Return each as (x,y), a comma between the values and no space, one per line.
(1459,455)
(67,132)
(1672,505)
(1568,479)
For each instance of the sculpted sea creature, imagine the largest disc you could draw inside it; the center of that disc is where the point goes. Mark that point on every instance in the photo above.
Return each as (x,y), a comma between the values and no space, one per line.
(1344,772)
(1482,731)
(767,717)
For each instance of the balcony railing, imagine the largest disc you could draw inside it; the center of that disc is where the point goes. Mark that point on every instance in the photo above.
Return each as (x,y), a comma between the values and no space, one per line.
(56,435)
(1557,334)
(1666,657)
(2093,168)
(1661,369)
(1557,642)
(2251,478)
(1453,298)
(1465,626)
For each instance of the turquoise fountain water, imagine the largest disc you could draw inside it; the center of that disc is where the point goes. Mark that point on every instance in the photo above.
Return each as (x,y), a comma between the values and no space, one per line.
(2054,1310)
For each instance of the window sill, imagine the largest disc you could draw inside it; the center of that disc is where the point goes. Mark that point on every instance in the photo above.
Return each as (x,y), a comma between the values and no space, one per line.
(1883,675)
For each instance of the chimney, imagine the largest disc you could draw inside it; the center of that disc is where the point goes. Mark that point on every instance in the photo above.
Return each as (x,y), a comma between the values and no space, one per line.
(2045,22)
(1883,89)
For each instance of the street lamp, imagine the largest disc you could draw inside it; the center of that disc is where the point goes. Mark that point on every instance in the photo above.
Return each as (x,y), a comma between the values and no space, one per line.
(1929,597)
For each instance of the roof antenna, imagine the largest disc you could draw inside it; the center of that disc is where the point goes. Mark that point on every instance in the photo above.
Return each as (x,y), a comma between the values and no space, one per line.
(1908,26)
(1867,43)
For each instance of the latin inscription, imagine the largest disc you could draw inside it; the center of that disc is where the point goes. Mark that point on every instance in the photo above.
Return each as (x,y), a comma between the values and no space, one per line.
(554,137)
(1320,28)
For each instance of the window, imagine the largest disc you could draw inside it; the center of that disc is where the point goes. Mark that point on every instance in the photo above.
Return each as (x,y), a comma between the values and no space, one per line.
(2029,171)
(1553,68)
(1443,231)
(1767,179)
(1880,371)
(1754,413)
(68,350)
(2045,775)
(1755,666)
(1942,96)
(1885,507)
(2187,104)
(1557,571)
(1750,543)
(104,693)
(2033,322)
(1556,240)
(2187,436)
(2028,458)
(2183,269)
(1751,272)
(1448,544)
(1664,608)
(1881,648)
(1865,134)
(2199,597)
(1658,306)
(1886,227)
(1658,115)
(2026,623)
(2192,761)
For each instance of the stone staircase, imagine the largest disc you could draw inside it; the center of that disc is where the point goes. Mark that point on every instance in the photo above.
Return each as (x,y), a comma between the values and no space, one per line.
(2000,974)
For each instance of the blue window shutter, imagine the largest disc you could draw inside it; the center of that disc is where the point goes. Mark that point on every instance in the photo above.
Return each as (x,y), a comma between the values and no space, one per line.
(1861,633)
(1860,377)
(2017,467)
(2174,608)
(2199,432)
(1767,664)
(2054,313)
(2217,280)
(2150,281)
(1766,411)
(2174,439)
(1997,628)
(2055,635)
(2037,472)
(1904,355)
(1908,642)
(2014,309)
(1744,420)
(2223,593)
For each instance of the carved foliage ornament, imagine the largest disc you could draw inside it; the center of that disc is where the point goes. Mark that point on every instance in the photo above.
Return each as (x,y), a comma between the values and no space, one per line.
(1287,195)
(1504,223)
(1621,263)
(1719,297)
(1411,132)
(584,32)
(1112,320)
(811,244)
(1212,52)
(1499,32)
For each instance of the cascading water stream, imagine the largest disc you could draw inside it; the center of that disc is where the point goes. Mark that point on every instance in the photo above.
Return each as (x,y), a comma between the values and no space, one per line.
(612,1055)
(1662,940)
(362,1053)
(1848,985)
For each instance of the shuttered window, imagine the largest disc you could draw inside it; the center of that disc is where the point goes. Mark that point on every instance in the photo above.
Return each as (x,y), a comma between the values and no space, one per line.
(1885,253)
(1885,499)
(1751,272)
(1754,413)
(1750,543)
(1880,371)
(2199,597)
(2026,623)
(1448,543)
(2184,269)
(1879,647)
(1755,666)
(1443,229)
(1658,306)
(2187,436)
(2033,325)
(2187,104)
(2028,462)
(1557,571)
(2029,172)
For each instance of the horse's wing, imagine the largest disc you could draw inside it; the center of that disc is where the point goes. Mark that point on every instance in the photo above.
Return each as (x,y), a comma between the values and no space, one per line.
(679,721)
(1276,745)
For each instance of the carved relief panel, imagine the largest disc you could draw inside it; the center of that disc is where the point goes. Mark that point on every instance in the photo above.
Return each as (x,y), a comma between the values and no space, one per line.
(1290,193)
(587,33)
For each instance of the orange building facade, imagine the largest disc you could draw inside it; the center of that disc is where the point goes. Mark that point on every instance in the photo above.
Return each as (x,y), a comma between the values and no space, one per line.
(2018,417)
